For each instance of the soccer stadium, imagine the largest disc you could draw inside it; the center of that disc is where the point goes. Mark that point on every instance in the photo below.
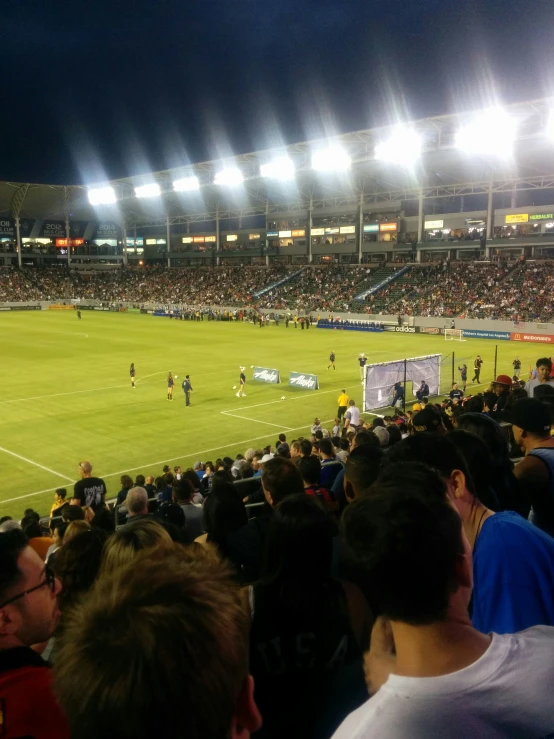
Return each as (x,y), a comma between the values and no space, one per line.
(286,321)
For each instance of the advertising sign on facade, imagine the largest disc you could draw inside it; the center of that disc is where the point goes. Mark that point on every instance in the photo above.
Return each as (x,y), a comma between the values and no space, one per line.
(298,233)
(273,234)
(285,234)
(388,227)
(318,231)
(231,237)
(253,237)
(348,229)
(517,218)
(541,217)
(210,240)
(371,227)
(434,224)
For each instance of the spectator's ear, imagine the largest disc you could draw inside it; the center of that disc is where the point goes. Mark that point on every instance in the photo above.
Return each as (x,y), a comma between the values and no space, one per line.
(348,491)
(457,485)
(247,717)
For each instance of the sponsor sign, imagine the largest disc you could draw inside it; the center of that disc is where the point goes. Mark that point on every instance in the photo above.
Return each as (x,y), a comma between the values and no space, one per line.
(541,217)
(139,241)
(210,239)
(253,237)
(298,233)
(498,335)
(72,242)
(434,224)
(7,227)
(405,329)
(266,374)
(331,230)
(306,382)
(273,234)
(428,330)
(187,239)
(348,229)
(317,232)
(231,237)
(540,338)
(61,307)
(285,234)
(20,307)
(198,239)
(517,218)
(388,227)
(371,227)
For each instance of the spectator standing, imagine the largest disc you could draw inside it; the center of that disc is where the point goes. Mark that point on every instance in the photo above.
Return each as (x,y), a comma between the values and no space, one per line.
(28,616)
(544,370)
(455,393)
(442,677)
(89,490)
(352,416)
(330,465)
(535,474)
(59,503)
(194,683)
(194,515)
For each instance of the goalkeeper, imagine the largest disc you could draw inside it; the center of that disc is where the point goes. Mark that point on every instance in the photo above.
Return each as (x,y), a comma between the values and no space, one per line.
(398,395)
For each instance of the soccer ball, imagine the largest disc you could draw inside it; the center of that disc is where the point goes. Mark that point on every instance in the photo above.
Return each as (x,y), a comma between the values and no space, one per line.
(251,366)
(282,397)
(234,387)
(176,377)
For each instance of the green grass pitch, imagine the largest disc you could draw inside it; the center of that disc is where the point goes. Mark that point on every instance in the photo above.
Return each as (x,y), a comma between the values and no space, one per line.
(65,393)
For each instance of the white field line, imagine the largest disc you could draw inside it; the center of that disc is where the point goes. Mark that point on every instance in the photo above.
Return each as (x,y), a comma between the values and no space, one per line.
(36,464)
(256,420)
(300,397)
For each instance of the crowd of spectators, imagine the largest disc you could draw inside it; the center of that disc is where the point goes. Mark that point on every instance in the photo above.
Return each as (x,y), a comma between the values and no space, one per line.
(526,295)
(405,558)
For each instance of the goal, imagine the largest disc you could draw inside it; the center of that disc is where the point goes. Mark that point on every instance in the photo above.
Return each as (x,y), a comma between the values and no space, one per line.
(453,334)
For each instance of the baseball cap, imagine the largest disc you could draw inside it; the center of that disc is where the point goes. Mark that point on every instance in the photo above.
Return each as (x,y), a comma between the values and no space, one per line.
(267,457)
(504,380)
(428,419)
(382,434)
(530,415)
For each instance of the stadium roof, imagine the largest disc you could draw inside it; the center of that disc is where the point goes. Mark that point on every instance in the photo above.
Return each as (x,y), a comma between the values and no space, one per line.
(443,170)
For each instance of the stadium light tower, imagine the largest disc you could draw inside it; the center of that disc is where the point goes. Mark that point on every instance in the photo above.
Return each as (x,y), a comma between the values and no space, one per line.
(332,159)
(403,147)
(186,184)
(102,195)
(281,168)
(491,134)
(229,177)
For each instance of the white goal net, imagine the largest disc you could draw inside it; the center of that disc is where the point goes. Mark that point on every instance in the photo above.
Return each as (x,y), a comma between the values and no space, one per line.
(379,379)
(453,334)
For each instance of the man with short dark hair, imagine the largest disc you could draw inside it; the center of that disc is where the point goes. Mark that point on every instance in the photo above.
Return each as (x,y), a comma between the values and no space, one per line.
(440,676)
(159,649)
(330,465)
(455,393)
(423,391)
(280,478)
(513,561)
(361,470)
(194,514)
(544,370)
(28,616)
(90,490)
(531,421)
(352,416)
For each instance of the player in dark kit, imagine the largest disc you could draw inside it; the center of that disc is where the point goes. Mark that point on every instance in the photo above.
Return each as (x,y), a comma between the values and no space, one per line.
(79,314)
(517,366)
(362,359)
(170,383)
(332,360)
(132,373)
(477,368)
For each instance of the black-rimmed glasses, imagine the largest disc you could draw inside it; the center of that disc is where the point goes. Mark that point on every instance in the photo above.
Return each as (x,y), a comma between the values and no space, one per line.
(49,579)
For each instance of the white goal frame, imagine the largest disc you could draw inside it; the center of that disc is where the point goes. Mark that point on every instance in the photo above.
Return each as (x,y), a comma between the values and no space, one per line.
(454,334)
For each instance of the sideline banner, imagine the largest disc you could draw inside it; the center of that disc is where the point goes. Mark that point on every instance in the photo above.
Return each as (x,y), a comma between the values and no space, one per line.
(497,335)
(20,307)
(266,374)
(429,330)
(540,338)
(58,306)
(307,382)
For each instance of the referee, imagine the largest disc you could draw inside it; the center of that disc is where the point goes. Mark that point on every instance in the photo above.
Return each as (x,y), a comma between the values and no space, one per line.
(187,389)
(343,403)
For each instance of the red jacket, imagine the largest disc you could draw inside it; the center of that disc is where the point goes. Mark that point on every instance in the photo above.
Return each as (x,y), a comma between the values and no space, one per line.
(28,707)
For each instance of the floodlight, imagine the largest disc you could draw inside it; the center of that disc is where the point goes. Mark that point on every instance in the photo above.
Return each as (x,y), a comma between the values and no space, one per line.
(281,168)
(403,147)
(490,134)
(549,129)
(333,159)
(101,195)
(230,176)
(152,190)
(186,184)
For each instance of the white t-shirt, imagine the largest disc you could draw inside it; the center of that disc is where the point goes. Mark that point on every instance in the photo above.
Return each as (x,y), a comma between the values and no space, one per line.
(353,413)
(530,386)
(506,694)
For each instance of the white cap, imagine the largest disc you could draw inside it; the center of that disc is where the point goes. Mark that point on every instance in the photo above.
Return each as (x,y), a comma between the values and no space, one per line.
(267,457)
(382,434)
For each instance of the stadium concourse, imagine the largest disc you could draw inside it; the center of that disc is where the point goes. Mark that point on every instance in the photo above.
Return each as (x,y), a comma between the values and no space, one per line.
(505,290)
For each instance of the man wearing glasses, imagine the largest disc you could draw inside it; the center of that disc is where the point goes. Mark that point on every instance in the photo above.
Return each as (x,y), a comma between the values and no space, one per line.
(28,616)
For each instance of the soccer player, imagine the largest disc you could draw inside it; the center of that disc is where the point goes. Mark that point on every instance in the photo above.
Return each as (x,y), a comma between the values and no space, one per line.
(398,395)
(362,359)
(132,373)
(463,374)
(516,364)
(79,314)
(332,360)
(170,383)
(477,368)
(187,388)
(242,381)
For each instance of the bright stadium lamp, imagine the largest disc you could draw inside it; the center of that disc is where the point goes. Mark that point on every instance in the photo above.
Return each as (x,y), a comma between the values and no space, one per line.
(549,129)
(490,134)
(281,168)
(152,190)
(101,196)
(186,184)
(229,177)
(403,147)
(333,159)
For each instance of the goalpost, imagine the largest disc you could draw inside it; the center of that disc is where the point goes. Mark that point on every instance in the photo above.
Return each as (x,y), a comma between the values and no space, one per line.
(380,378)
(453,334)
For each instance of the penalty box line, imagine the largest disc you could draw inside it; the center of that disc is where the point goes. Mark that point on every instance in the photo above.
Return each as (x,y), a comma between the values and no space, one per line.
(35,464)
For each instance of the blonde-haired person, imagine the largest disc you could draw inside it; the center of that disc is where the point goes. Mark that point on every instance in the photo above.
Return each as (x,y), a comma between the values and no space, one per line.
(130,539)
(74,529)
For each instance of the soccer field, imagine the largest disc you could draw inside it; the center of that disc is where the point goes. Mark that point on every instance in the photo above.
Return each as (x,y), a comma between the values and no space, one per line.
(65,393)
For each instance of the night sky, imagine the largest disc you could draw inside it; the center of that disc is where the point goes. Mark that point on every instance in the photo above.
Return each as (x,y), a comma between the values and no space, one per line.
(113,88)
